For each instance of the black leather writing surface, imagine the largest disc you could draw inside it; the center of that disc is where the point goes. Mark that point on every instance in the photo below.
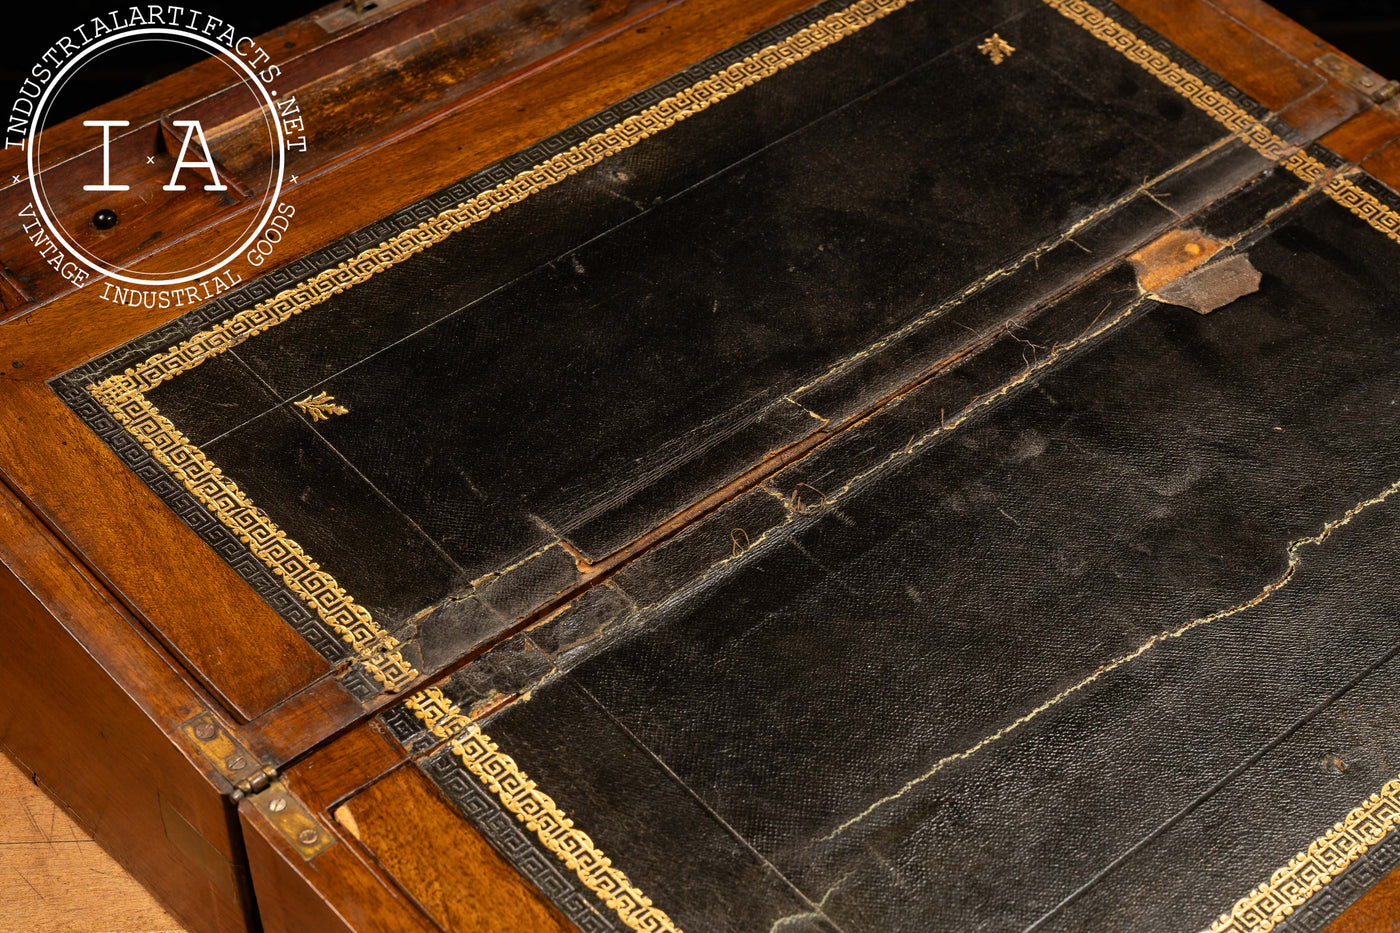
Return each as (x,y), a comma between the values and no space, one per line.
(1070,592)
(583,365)
(1103,657)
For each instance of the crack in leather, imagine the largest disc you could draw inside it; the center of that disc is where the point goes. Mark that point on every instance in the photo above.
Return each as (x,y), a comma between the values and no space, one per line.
(1278,583)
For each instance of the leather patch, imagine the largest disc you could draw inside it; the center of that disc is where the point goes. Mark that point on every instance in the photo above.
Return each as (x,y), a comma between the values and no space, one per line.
(1214,285)
(1176,268)
(1171,256)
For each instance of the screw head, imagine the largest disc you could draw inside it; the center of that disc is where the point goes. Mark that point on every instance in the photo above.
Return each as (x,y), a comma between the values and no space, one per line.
(236,763)
(205,731)
(308,837)
(105,219)
(277,804)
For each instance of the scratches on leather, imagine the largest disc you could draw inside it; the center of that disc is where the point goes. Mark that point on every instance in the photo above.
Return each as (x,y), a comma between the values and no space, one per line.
(818,914)
(1033,368)
(804,501)
(1294,558)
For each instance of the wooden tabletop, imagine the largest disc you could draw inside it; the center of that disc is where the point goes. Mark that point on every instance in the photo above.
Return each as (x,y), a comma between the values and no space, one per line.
(55,879)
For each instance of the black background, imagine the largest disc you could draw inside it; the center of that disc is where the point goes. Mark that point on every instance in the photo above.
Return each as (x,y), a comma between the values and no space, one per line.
(1367,29)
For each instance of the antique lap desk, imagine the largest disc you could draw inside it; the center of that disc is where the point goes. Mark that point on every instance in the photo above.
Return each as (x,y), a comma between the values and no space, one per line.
(891,465)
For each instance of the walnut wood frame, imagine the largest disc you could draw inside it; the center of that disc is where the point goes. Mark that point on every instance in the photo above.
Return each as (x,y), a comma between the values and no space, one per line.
(98,582)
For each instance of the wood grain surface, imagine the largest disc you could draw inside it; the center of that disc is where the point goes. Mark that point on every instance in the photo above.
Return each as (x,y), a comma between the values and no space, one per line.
(52,876)
(55,879)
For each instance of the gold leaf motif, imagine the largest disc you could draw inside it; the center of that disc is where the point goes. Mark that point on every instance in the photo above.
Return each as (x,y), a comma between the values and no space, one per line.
(321,406)
(996,48)
(123,395)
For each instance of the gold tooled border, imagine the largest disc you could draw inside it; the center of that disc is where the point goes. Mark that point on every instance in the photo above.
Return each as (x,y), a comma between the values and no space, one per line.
(1308,872)
(538,811)
(123,394)
(376,648)
(1229,114)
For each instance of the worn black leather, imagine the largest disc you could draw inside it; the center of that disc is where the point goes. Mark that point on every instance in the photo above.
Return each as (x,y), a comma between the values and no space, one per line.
(863,696)
(601,355)
(1156,478)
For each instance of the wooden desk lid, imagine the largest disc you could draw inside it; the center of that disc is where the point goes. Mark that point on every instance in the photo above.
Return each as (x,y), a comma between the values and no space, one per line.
(868,531)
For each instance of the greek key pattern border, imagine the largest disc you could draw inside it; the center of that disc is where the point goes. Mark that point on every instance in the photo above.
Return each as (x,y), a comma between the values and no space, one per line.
(1345,889)
(531,806)
(1231,114)
(1310,871)
(235,553)
(123,394)
(475,802)
(220,495)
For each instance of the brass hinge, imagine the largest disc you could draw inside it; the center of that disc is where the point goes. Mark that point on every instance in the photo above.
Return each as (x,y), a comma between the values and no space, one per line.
(1356,76)
(292,820)
(229,758)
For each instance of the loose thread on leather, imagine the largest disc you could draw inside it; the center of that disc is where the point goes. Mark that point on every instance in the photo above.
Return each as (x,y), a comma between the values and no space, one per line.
(1269,590)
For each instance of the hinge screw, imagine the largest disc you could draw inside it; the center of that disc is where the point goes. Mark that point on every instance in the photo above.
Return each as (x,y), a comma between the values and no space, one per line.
(236,763)
(308,837)
(277,804)
(205,731)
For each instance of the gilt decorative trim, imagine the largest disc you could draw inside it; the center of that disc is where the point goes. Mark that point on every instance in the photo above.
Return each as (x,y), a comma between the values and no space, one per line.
(377,649)
(1229,114)
(440,716)
(1365,205)
(538,811)
(542,816)
(321,406)
(1308,872)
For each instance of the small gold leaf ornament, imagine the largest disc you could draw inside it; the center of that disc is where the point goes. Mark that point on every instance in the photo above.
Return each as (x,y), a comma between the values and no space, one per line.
(321,406)
(996,48)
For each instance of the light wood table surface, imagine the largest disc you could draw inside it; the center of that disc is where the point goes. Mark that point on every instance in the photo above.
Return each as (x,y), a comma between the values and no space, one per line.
(54,879)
